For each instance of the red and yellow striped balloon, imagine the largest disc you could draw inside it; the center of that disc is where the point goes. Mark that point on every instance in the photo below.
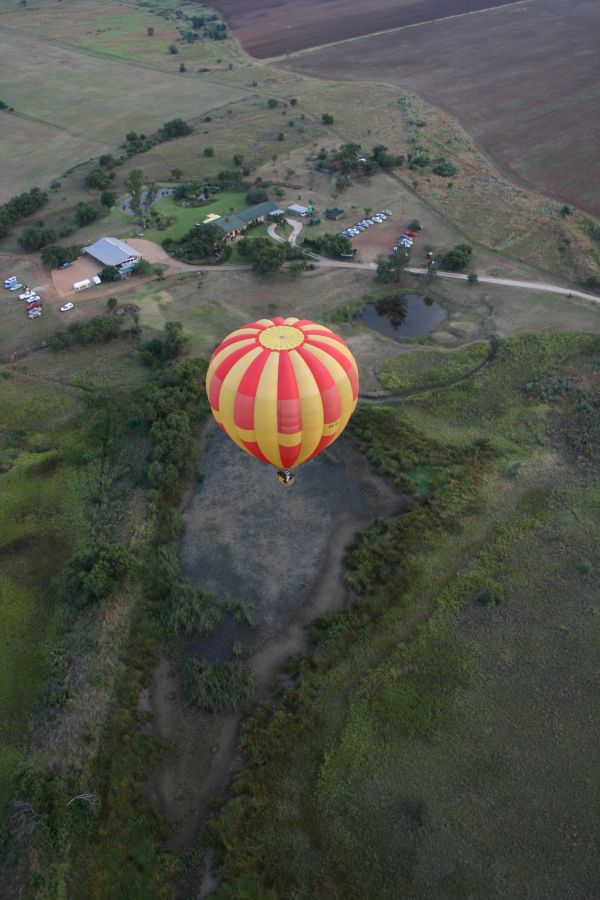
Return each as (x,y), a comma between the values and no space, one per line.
(282,389)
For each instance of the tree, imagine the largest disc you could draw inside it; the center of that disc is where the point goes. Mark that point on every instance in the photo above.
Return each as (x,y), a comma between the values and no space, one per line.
(444,168)
(265,255)
(473,278)
(293,101)
(143,268)
(97,179)
(256,195)
(327,119)
(176,173)
(175,128)
(36,238)
(294,269)
(110,273)
(108,199)
(134,183)
(281,136)
(173,49)
(112,303)
(54,255)
(332,245)
(272,103)
(86,213)
(150,31)
(94,572)
(391,268)
(457,259)
(238,159)
(208,152)
(182,67)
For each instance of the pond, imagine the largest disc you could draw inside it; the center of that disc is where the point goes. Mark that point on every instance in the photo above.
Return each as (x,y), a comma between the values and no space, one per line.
(403,316)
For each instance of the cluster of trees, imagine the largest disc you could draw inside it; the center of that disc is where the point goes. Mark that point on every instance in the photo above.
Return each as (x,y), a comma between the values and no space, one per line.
(350,158)
(331,245)
(418,158)
(99,179)
(457,259)
(265,255)
(171,414)
(94,573)
(17,208)
(175,128)
(53,255)
(158,351)
(138,143)
(444,168)
(34,238)
(86,213)
(205,243)
(99,330)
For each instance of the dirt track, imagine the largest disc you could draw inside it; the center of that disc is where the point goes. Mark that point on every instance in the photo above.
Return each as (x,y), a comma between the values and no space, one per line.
(280,549)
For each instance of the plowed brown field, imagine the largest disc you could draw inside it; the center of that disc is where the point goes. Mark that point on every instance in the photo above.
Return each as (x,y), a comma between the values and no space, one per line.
(271,27)
(523,80)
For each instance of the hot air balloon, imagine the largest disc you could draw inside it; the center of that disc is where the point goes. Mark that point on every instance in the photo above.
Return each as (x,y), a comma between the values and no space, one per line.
(283,390)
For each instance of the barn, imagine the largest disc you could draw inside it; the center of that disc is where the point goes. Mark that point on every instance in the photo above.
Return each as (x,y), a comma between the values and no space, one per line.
(110,251)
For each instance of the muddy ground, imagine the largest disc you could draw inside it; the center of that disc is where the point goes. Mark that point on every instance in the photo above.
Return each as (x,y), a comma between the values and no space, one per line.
(281,550)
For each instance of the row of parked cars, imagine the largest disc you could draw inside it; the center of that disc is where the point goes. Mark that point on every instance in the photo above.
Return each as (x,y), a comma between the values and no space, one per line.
(406,240)
(33,299)
(361,226)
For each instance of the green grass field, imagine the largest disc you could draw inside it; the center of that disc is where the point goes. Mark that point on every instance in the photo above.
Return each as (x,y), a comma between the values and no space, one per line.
(187,217)
(84,105)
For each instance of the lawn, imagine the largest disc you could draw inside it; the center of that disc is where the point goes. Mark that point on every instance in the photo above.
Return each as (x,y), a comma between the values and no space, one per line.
(187,217)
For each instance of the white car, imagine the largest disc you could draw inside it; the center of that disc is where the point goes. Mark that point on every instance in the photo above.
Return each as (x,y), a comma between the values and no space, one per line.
(15,287)
(387,212)
(66,307)
(34,313)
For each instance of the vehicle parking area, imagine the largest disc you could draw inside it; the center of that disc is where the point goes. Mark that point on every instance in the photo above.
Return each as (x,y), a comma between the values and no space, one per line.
(380,238)
(64,279)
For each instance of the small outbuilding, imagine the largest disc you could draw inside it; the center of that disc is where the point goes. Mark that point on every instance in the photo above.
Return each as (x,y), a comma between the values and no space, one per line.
(297,210)
(334,213)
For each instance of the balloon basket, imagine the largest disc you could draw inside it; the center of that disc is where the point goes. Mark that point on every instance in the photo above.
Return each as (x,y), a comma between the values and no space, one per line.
(285,477)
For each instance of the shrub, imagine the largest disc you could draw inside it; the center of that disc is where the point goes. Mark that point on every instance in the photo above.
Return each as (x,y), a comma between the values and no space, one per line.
(444,168)
(272,103)
(473,278)
(256,195)
(457,259)
(94,572)
(218,687)
(208,152)
(327,119)
(36,238)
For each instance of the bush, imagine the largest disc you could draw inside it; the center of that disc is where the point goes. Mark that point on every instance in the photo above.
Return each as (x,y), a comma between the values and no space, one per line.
(256,195)
(175,128)
(265,255)
(36,238)
(97,179)
(108,199)
(143,268)
(332,245)
(473,278)
(94,572)
(327,119)
(53,255)
(86,213)
(272,103)
(158,351)
(444,168)
(218,687)
(209,152)
(457,259)
(98,330)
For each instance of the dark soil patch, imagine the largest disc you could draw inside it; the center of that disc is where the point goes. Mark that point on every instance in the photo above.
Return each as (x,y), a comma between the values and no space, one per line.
(271,27)
(279,549)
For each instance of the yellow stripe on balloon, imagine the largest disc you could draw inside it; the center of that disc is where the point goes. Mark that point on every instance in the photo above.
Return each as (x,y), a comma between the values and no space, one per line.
(311,407)
(223,354)
(265,411)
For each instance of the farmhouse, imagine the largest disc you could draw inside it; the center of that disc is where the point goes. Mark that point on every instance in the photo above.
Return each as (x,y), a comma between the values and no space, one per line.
(237,223)
(111,251)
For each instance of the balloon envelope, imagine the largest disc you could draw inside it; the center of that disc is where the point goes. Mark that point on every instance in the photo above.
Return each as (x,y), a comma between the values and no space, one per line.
(282,389)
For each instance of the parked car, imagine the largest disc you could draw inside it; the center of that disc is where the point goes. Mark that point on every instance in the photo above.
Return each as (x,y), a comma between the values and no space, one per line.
(15,287)
(34,314)
(66,306)
(388,212)
(8,282)
(65,265)
(412,234)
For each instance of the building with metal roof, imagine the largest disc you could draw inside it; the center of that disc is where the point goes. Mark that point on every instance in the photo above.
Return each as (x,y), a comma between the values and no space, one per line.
(110,251)
(236,223)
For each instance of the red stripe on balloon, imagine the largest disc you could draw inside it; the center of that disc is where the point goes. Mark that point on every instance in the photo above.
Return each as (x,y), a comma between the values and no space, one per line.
(253,448)
(221,373)
(289,420)
(330,398)
(323,443)
(289,455)
(243,409)
(235,340)
(344,362)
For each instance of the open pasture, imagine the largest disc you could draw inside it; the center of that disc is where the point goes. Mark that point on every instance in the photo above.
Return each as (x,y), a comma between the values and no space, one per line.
(70,105)
(266,28)
(522,79)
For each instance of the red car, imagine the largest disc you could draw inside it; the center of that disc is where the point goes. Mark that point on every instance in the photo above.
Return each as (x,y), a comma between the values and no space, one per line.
(412,234)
